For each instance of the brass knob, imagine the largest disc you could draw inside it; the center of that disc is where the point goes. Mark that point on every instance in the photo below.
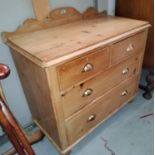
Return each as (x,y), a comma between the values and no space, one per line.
(87,92)
(91,117)
(130,48)
(124,93)
(125,71)
(88,67)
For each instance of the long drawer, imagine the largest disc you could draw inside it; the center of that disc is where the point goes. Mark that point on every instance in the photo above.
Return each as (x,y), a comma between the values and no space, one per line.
(83,68)
(127,47)
(93,114)
(86,92)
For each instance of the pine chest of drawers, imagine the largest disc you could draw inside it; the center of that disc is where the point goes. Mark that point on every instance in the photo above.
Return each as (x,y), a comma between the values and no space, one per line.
(77,74)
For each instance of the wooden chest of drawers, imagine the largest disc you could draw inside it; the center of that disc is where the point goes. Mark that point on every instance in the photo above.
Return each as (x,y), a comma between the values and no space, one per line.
(76,75)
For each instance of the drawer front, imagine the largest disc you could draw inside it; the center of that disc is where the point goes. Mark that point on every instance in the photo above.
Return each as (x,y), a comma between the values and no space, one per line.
(128,47)
(90,116)
(86,92)
(82,68)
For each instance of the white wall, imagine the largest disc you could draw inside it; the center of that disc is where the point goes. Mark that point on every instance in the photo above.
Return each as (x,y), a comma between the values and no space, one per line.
(108,5)
(81,5)
(111,7)
(12,14)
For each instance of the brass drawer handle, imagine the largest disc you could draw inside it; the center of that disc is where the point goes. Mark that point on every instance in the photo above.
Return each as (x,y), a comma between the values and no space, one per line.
(88,92)
(130,48)
(91,117)
(125,71)
(124,93)
(88,67)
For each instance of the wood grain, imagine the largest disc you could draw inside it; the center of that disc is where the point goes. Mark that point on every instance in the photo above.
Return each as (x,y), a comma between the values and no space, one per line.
(99,61)
(41,8)
(51,45)
(1,90)
(120,49)
(37,92)
(57,105)
(79,125)
(73,100)
(13,130)
(143,10)
(55,18)
(50,55)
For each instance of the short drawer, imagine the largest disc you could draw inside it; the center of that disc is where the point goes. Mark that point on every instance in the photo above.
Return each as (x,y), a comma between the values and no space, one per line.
(91,116)
(84,93)
(128,47)
(82,68)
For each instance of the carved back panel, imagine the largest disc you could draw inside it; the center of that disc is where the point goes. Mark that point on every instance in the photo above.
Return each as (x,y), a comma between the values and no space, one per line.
(55,17)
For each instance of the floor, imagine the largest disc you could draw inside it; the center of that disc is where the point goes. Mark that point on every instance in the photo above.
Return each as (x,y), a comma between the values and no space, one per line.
(126,133)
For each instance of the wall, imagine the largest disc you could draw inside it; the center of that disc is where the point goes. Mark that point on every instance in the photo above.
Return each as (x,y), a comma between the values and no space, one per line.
(108,5)
(12,14)
(81,5)
(111,7)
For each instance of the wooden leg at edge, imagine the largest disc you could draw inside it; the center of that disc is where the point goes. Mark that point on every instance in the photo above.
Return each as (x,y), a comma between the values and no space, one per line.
(131,100)
(67,153)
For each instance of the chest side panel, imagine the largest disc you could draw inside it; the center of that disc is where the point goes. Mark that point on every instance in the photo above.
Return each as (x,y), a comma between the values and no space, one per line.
(36,89)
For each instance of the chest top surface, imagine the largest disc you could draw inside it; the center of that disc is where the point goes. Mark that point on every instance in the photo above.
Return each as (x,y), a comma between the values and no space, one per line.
(50,44)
